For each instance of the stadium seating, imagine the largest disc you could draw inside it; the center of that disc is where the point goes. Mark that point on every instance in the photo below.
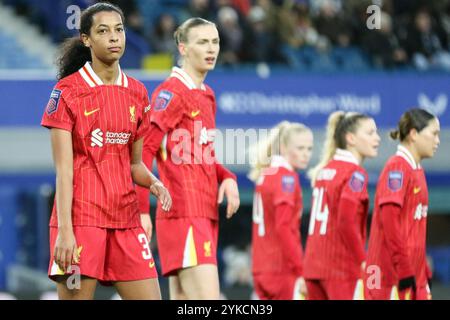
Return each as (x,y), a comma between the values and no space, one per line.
(14,57)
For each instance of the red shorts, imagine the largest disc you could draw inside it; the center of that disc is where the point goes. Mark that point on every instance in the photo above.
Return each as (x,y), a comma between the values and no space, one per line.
(109,254)
(276,286)
(335,289)
(186,242)
(392,293)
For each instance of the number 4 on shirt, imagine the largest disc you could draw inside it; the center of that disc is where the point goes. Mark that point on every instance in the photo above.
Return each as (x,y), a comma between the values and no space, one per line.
(317,214)
(258,214)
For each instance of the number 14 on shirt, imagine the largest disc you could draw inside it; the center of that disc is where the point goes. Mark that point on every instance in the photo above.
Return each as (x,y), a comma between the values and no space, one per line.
(317,213)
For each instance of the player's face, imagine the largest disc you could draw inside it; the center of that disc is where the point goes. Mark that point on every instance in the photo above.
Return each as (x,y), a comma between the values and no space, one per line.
(427,141)
(202,48)
(107,37)
(299,149)
(366,138)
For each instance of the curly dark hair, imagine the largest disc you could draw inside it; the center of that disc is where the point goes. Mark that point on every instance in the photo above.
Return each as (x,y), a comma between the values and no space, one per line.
(73,53)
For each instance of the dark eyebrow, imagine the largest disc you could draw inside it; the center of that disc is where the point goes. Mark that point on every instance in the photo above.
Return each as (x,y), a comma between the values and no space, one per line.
(105,25)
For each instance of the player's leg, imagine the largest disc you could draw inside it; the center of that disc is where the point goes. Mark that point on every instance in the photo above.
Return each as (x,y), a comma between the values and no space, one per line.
(188,252)
(200,282)
(315,290)
(175,290)
(84,291)
(423,293)
(147,289)
(129,265)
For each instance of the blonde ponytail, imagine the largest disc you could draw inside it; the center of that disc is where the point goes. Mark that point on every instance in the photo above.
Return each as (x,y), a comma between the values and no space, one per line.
(339,124)
(330,146)
(261,153)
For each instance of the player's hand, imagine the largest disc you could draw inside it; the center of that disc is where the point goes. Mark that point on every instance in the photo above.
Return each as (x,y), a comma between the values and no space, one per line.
(229,189)
(163,195)
(65,252)
(147,225)
(300,285)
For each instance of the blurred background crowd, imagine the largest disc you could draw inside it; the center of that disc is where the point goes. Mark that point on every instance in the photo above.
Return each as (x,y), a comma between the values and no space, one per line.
(411,34)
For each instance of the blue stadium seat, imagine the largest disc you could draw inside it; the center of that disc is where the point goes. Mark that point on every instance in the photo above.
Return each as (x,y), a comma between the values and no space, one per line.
(350,59)
(13,56)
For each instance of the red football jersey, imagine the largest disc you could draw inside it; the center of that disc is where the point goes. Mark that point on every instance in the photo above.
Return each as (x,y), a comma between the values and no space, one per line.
(186,159)
(403,183)
(328,255)
(104,121)
(279,184)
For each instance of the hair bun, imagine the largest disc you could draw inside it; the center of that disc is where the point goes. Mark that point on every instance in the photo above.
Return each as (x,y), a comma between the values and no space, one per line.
(394,134)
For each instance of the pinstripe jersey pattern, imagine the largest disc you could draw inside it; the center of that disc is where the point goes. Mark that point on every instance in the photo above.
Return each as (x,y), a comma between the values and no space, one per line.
(104,121)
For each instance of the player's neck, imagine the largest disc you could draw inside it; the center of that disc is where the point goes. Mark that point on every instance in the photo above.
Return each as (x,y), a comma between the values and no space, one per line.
(357,155)
(410,147)
(107,73)
(196,76)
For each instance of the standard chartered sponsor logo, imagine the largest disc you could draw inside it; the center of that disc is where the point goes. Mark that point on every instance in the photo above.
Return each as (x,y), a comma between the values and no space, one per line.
(110,138)
(97,138)
(117,137)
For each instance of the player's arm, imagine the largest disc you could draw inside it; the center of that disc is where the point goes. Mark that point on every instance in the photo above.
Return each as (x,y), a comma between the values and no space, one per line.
(151,144)
(166,113)
(353,196)
(292,248)
(349,227)
(144,178)
(390,215)
(228,188)
(65,250)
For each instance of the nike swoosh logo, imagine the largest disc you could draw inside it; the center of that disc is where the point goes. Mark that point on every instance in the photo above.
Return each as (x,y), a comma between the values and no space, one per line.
(195,113)
(151,264)
(88,113)
(416,190)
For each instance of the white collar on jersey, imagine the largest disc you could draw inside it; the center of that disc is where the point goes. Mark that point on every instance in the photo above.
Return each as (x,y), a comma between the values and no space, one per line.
(186,79)
(345,155)
(405,154)
(93,79)
(280,161)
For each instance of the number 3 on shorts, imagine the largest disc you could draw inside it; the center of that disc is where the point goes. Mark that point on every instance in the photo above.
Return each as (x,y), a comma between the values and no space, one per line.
(146,253)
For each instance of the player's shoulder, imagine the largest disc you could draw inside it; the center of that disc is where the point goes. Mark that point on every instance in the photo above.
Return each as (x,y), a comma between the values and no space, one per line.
(283,178)
(168,93)
(357,170)
(69,82)
(344,168)
(135,84)
(396,162)
(395,172)
(173,85)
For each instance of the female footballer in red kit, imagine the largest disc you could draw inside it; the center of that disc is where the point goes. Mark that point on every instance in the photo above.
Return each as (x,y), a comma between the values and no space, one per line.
(96,116)
(396,264)
(335,248)
(277,252)
(181,138)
